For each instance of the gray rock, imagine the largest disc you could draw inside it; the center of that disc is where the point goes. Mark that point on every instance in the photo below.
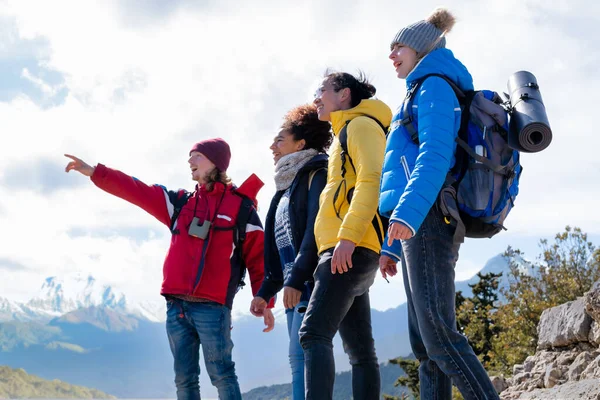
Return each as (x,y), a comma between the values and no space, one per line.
(566,357)
(517,369)
(552,376)
(499,383)
(522,377)
(579,365)
(592,371)
(583,390)
(529,363)
(592,302)
(537,383)
(542,360)
(548,356)
(585,346)
(564,325)
(595,333)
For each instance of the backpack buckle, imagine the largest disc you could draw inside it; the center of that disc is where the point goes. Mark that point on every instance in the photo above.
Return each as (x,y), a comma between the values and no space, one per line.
(406,120)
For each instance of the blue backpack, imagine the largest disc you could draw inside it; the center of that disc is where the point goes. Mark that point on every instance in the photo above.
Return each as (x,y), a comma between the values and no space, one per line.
(481,187)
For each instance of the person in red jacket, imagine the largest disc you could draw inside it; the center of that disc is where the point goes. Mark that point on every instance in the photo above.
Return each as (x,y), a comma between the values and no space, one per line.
(202,269)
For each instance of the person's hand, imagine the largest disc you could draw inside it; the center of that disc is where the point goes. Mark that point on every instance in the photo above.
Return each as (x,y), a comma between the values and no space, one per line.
(398,231)
(79,166)
(269,320)
(291,297)
(342,256)
(387,266)
(258,306)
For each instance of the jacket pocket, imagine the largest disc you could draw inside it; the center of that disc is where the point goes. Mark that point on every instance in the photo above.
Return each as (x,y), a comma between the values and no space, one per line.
(405,167)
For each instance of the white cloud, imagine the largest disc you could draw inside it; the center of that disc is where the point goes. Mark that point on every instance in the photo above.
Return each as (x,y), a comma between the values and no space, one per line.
(142,90)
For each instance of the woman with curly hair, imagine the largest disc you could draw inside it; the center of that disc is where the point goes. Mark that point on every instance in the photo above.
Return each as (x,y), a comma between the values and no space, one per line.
(290,248)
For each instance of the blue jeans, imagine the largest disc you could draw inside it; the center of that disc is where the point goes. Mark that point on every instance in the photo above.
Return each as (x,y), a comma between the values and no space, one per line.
(341,302)
(428,262)
(294,321)
(190,325)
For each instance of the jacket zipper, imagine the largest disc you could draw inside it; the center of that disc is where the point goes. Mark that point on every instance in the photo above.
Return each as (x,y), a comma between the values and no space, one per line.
(405,166)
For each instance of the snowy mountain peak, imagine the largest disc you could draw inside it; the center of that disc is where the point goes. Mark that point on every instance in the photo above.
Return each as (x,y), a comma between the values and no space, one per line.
(61,295)
(9,309)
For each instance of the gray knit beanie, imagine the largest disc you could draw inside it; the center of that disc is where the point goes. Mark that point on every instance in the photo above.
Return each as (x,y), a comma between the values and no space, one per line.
(426,35)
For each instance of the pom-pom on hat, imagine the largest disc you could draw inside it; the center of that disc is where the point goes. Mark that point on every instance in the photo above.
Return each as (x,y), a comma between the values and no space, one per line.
(426,35)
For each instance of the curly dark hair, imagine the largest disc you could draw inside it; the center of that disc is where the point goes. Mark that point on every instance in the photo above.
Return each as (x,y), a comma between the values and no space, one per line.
(360,88)
(303,123)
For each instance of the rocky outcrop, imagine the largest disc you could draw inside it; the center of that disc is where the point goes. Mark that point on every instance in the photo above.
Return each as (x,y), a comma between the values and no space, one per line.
(564,325)
(567,362)
(595,333)
(588,389)
(592,302)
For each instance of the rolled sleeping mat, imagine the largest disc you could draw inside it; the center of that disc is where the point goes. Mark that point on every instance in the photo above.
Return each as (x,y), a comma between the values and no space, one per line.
(529,129)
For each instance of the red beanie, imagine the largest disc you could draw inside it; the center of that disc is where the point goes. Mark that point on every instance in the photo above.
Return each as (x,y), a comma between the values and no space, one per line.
(216,150)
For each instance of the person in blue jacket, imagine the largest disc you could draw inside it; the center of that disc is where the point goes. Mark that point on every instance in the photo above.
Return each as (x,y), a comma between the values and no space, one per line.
(290,247)
(418,236)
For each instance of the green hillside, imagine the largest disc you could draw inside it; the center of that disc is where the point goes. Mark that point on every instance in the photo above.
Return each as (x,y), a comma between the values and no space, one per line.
(17,384)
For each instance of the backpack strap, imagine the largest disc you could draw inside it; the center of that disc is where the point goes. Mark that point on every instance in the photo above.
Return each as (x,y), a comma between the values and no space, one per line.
(464,99)
(178,204)
(497,168)
(312,174)
(407,116)
(239,233)
(378,222)
(343,138)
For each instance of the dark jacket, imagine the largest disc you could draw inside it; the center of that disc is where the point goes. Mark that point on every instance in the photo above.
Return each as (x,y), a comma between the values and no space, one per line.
(304,206)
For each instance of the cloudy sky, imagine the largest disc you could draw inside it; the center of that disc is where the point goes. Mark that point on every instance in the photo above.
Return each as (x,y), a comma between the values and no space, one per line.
(133,84)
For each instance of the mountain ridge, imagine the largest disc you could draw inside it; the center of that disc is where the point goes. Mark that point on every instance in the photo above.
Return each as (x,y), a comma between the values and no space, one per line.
(107,346)
(17,383)
(60,296)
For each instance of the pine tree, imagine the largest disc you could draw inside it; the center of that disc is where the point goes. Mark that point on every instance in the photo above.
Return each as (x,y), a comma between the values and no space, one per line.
(478,313)
(410,366)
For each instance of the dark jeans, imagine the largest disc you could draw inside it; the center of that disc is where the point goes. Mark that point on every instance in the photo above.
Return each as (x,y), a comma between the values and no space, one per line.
(341,302)
(428,262)
(190,325)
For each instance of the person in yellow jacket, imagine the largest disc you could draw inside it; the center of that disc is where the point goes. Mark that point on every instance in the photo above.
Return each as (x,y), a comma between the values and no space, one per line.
(347,231)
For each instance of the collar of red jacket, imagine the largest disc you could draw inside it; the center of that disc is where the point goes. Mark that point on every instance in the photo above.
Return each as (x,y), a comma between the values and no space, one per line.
(218,189)
(249,188)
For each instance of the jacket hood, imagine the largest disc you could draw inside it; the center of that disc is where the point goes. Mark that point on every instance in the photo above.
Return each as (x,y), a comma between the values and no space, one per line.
(369,107)
(250,187)
(442,61)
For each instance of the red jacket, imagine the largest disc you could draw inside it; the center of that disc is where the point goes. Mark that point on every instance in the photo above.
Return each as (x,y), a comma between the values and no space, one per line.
(186,271)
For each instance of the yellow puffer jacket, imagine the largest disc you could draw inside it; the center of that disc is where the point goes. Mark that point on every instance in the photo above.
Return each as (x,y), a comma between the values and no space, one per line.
(366,147)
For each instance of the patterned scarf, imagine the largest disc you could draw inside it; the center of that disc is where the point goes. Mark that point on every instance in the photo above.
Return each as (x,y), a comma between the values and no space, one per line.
(288,166)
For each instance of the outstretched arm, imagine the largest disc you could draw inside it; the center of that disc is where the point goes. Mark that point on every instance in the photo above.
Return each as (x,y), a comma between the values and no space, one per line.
(154,199)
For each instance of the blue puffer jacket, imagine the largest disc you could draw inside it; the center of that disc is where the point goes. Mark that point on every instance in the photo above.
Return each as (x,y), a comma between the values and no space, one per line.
(413,175)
